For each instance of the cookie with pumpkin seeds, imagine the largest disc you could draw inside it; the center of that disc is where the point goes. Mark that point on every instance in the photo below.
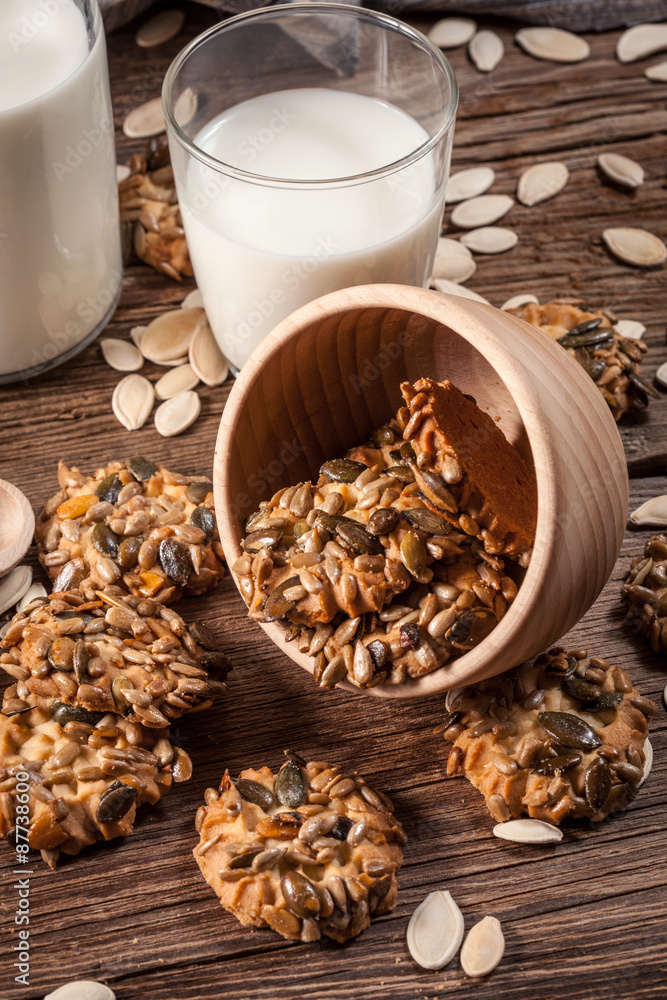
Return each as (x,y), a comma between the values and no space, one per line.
(134,524)
(117,653)
(560,738)
(73,777)
(308,851)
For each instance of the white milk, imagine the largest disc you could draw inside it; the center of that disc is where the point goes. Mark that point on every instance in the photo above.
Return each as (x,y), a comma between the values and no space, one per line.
(260,251)
(60,264)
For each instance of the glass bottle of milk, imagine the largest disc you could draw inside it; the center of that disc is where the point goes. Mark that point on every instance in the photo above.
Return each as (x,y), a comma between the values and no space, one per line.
(60,256)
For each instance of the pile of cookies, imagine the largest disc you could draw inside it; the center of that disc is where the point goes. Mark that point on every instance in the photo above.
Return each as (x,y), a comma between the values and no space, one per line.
(103,665)
(406,553)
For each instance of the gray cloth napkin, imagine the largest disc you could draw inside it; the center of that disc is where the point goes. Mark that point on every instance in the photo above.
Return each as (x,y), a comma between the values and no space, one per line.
(574,15)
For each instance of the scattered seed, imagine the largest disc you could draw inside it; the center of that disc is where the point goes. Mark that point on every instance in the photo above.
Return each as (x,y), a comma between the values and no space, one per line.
(657,72)
(206,358)
(193,300)
(144,121)
(648,761)
(451,32)
(490,239)
(34,591)
(482,210)
(435,931)
(167,337)
(528,831)
(468,184)
(121,355)
(483,948)
(631,329)
(541,182)
(132,401)
(456,268)
(640,41)
(13,586)
(621,169)
(486,49)
(82,989)
(635,246)
(176,380)
(652,513)
(160,29)
(178,413)
(137,335)
(553,44)
(451,288)
(519,300)
(661,375)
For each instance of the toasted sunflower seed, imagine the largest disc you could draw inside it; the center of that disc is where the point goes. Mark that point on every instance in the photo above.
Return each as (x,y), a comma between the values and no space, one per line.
(468,184)
(635,246)
(450,32)
(486,49)
(482,210)
(178,413)
(483,948)
(553,44)
(435,931)
(541,182)
(132,401)
(121,355)
(144,121)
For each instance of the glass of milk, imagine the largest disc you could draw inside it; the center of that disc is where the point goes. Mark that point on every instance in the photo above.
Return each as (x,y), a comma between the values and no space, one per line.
(60,256)
(311,146)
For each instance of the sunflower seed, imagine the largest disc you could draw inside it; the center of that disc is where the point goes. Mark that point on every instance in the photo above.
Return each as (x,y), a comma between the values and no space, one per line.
(553,44)
(176,380)
(631,329)
(193,300)
(13,586)
(482,210)
(34,591)
(451,32)
(648,761)
(456,268)
(435,931)
(483,947)
(160,29)
(486,50)
(661,375)
(541,182)
(469,184)
(82,989)
(132,401)
(528,831)
(167,338)
(122,172)
(144,121)
(635,246)
(450,288)
(621,169)
(652,513)
(121,355)
(206,358)
(178,413)
(657,72)
(640,41)
(490,239)
(519,300)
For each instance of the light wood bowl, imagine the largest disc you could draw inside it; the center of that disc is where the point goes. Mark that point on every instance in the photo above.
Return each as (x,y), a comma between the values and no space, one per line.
(330,373)
(17,526)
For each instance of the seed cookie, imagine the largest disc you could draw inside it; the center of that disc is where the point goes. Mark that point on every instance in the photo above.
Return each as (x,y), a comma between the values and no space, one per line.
(307,851)
(117,653)
(134,524)
(560,738)
(86,779)
(646,591)
(612,361)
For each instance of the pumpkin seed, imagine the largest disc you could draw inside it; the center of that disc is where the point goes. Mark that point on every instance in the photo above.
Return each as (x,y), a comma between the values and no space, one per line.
(176,380)
(657,72)
(301,896)
(206,358)
(62,714)
(193,300)
(483,948)
(141,468)
(203,518)
(635,246)
(128,552)
(648,761)
(451,288)
(167,338)
(160,29)
(71,576)
(255,792)
(178,413)
(121,355)
(136,335)
(435,931)
(435,490)
(144,121)
(383,521)
(472,627)
(104,539)
(61,653)
(401,472)
(291,788)
(640,41)
(621,169)
(451,32)
(483,210)
(446,249)
(356,538)
(82,989)
(652,513)
(132,401)
(594,367)
(198,491)
(553,44)
(342,470)
(541,182)
(413,554)
(175,560)
(603,703)
(486,49)
(13,586)
(109,488)
(464,185)
(34,591)
(519,300)
(246,857)
(115,802)
(456,268)
(581,689)
(528,831)
(427,520)
(277,604)
(569,730)
(560,763)
(597,782)
(256,540)
(490,239)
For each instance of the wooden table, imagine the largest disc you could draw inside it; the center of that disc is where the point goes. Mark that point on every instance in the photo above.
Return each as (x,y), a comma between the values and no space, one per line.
(586,919)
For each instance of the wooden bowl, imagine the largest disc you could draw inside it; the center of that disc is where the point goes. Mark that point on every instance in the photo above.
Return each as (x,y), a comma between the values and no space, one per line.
(17,526)
(330,373)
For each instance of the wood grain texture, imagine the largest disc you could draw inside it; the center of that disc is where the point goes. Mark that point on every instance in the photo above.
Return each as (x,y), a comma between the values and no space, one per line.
(585,919)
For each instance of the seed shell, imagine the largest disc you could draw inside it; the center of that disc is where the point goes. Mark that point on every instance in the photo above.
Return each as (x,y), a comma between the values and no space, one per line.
(82,989)
(635,246)
(469,184)
(176,380)
(144,121)
(640,41)
(520,300)
(541,182)
(490,239)
(486,49)
(621,169)
(451,32)
(553,44)
(648,761)
(178,413)
(528,831)
(160,29)
(206,359)
(435,931)
(482,210)
(13,586)
(631,329)
(167,338)
(121,355)
(451,288)
(483,947)
(657,72)
(132,401)
(652,513)
(456,268)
